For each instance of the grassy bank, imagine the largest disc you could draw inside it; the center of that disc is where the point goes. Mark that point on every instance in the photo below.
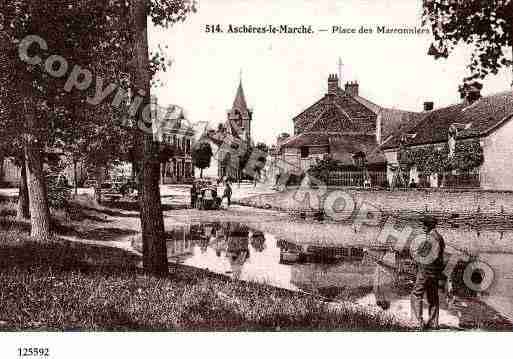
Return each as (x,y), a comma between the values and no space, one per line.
(62,285)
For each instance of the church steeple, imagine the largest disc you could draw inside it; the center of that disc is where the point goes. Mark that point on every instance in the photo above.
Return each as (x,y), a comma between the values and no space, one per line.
(240,114)
(240,100)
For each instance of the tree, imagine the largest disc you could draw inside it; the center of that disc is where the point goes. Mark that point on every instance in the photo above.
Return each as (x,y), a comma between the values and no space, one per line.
(23,209)
(74,30)
(202,155)
(152,222)
(487,26)
(110,36)
(163,13)
(263,151)
(258,159)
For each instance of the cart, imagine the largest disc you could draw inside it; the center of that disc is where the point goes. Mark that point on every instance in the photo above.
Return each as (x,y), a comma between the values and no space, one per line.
(208,198)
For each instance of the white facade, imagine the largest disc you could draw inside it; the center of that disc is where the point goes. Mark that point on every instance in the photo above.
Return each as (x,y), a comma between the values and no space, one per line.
(497,170)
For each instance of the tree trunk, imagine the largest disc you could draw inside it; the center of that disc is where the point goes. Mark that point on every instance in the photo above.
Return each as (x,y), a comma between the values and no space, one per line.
(23,211)
(100,178)
(38,199)
(75,176)
(201,172)
(2,159)
(152,222)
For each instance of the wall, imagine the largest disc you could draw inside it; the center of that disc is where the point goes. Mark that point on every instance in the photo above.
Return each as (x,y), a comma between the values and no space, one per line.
(391,158)
(497,169)
(466,202)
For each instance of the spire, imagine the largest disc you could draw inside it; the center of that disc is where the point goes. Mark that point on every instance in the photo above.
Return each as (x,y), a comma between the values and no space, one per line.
(240,100)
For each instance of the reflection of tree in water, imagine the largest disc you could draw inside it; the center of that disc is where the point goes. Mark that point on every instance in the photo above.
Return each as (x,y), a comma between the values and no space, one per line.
(208,230)
(237,246)
(258,241)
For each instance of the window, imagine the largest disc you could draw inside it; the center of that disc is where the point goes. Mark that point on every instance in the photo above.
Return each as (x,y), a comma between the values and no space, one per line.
(305,152)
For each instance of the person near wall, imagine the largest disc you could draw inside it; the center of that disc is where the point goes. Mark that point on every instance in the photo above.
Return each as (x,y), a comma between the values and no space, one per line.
(429,259)
(227,192)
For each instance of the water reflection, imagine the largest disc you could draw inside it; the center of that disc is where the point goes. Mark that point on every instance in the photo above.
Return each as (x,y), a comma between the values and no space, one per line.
(368,276)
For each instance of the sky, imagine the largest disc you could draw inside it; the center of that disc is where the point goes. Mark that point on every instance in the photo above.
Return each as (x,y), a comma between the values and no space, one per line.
(284,74)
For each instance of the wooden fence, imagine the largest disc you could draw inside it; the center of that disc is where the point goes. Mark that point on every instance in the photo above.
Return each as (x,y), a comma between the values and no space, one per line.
(357,178)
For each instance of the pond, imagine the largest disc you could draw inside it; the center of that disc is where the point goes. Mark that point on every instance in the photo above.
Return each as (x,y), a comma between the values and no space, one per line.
(343,272)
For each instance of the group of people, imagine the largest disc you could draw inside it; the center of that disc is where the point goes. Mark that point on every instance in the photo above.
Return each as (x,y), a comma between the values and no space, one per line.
(198,189)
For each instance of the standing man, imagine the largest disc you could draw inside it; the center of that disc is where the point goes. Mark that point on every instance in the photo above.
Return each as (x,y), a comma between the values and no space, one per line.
(429,257)
(227,191)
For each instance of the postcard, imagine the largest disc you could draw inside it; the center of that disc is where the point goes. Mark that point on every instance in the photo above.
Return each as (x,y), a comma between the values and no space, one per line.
(175,172)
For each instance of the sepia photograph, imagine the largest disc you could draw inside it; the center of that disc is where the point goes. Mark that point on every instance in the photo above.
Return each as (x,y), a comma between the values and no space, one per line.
(178,166)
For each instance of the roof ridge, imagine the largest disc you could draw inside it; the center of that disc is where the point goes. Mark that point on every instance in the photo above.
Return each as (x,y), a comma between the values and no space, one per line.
(495,94)
(402,111)
(364,102)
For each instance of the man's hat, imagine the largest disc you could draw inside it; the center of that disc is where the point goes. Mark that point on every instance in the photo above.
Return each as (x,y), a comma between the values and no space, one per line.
(429,221)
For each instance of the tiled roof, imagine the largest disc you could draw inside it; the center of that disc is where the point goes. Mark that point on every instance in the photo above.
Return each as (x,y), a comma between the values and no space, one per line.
(395,121)
(307,139)
(346,113)
(477,119)
(345,146)
(336,112)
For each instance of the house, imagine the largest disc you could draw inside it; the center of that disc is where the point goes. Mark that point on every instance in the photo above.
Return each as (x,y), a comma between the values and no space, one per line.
(346,127)
(473,137)
(10,172)
(175,134)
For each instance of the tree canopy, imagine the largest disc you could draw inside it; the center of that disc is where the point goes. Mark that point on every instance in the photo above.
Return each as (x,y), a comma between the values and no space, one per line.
(486,26)
(202,155)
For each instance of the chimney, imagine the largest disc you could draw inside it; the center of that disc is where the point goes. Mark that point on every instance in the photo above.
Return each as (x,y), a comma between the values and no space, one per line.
(472,95)
(332,84)
(429,105)
(352,88)
(470,92)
